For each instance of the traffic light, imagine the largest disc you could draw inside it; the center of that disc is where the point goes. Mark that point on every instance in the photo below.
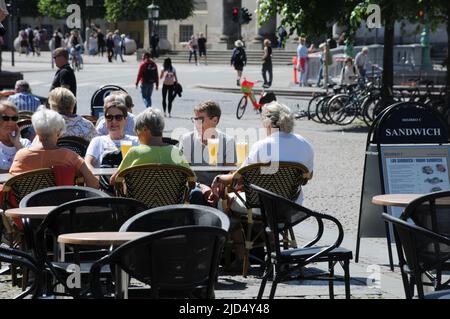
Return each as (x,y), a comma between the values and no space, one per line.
(421,12)
(246,16)
(235,15)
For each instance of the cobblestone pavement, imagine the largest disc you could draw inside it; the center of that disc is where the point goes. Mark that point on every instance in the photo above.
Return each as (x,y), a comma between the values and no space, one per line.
(335,188)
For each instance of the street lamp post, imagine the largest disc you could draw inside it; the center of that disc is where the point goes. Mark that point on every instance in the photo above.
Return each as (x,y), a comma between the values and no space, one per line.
(153,15)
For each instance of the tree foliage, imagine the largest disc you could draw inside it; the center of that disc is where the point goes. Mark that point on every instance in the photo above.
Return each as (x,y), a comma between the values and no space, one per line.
(57,9)
(137,9)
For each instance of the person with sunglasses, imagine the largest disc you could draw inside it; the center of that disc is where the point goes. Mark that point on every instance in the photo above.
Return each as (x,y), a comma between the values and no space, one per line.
(116,121)
(10,139)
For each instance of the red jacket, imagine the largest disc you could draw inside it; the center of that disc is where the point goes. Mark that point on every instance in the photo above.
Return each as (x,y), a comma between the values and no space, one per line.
(142,67)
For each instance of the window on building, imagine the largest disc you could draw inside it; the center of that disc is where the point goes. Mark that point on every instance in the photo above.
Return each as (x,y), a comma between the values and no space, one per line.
(186,31)
(200,5)
(161,30)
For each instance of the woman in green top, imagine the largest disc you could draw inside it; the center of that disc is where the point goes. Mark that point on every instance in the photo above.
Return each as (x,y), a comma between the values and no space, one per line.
(149,126)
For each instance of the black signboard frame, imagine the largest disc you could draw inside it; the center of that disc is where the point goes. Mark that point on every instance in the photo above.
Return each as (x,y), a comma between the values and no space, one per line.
(401,123)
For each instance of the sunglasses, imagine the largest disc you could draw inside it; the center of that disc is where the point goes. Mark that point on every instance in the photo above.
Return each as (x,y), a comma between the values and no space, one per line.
(118,117)
(10,118)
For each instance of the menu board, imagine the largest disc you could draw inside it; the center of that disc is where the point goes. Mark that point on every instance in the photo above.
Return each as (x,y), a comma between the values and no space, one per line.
(414,169)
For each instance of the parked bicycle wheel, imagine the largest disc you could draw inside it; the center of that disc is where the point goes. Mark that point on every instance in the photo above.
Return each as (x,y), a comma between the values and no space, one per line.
(322,110)
(341,110)
(241,107)
(312,108)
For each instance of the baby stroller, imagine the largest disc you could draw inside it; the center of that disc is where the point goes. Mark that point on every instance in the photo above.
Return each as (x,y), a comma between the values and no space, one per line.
(76,58)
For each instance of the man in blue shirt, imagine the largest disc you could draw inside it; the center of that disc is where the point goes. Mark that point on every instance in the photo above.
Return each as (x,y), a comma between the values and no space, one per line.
(23,99)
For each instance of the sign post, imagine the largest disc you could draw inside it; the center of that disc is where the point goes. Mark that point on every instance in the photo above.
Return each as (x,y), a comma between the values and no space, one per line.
(406,152)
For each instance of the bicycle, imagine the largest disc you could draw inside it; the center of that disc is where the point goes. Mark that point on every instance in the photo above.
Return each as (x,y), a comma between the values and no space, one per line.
(246,87)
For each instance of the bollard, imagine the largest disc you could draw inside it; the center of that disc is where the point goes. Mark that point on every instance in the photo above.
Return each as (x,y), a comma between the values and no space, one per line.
(294,62)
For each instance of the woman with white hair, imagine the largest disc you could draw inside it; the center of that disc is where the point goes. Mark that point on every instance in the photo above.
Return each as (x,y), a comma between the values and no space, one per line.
(45,153)
(149,127)
(280,145)
(63,101)
(238,59)
(116,115)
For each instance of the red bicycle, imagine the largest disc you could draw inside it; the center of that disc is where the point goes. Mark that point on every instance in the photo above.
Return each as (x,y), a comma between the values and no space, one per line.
(247,90)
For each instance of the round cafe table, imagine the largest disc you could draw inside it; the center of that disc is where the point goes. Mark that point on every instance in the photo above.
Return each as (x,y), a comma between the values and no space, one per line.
(38,212)
(403,200)
(99,238)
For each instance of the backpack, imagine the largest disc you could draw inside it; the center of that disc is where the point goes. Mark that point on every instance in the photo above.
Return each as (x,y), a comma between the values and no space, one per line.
(239,56)
(170,77)
(150,73)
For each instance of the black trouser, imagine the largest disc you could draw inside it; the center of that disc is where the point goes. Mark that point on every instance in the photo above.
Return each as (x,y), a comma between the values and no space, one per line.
(193,53)
(267,67)
(168,89)
(110,53)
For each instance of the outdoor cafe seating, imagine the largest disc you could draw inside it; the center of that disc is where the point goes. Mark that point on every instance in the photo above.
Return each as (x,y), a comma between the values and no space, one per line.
(77,144)
(156,184)
(85,215)
(283,178)
(280,214)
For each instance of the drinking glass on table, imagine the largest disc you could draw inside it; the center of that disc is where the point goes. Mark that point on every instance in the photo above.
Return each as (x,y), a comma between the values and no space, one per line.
(241,152)
(125,147)
(213,149)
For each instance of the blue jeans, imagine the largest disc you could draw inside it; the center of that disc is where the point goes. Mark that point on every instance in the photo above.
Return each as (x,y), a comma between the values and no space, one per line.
(320,75)
(146,91)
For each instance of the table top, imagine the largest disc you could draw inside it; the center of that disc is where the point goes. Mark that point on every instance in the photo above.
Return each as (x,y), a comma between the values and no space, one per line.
(38,212)
(403,200)
(100,238)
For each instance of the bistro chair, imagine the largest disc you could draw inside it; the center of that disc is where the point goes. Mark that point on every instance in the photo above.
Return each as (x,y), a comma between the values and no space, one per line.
(74,143)
(420,252)
(282,178)
(18,258)
(432,212)
(174,262)
(25,115)
(84,215)
(156,184)
(280,214)
(160,218)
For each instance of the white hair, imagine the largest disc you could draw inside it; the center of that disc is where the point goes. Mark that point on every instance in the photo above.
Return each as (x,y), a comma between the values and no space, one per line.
(47,123)
(279,116)
(152,119)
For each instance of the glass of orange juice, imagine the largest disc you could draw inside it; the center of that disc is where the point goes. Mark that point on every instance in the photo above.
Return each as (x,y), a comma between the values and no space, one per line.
(241,152)
(213,149)
(125,147)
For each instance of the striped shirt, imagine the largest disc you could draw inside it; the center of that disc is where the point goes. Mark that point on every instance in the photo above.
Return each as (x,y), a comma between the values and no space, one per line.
(25,101)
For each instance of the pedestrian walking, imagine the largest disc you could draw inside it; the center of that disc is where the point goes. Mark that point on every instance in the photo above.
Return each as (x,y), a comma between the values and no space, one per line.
(169,76)
(93,49)
(23,42)
(65,76)
(123,49)
(202,47)
(238,59)
(37,41)
(154,42)
(117,46)
(30,34)
(282,34)
(361,60)
(302,61)
(110,46)
(267,64)
(193,47)
(101,44)
(148,77)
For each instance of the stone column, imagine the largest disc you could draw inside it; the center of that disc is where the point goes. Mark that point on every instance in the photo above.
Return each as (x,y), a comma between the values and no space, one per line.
(217,24)
(266,30)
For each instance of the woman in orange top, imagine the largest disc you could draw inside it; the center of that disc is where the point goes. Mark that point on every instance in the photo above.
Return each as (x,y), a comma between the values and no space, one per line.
(44,152)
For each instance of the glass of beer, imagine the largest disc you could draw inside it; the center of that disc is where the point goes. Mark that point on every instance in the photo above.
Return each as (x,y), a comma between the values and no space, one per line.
(241,152)
(125,147)
(213,149)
